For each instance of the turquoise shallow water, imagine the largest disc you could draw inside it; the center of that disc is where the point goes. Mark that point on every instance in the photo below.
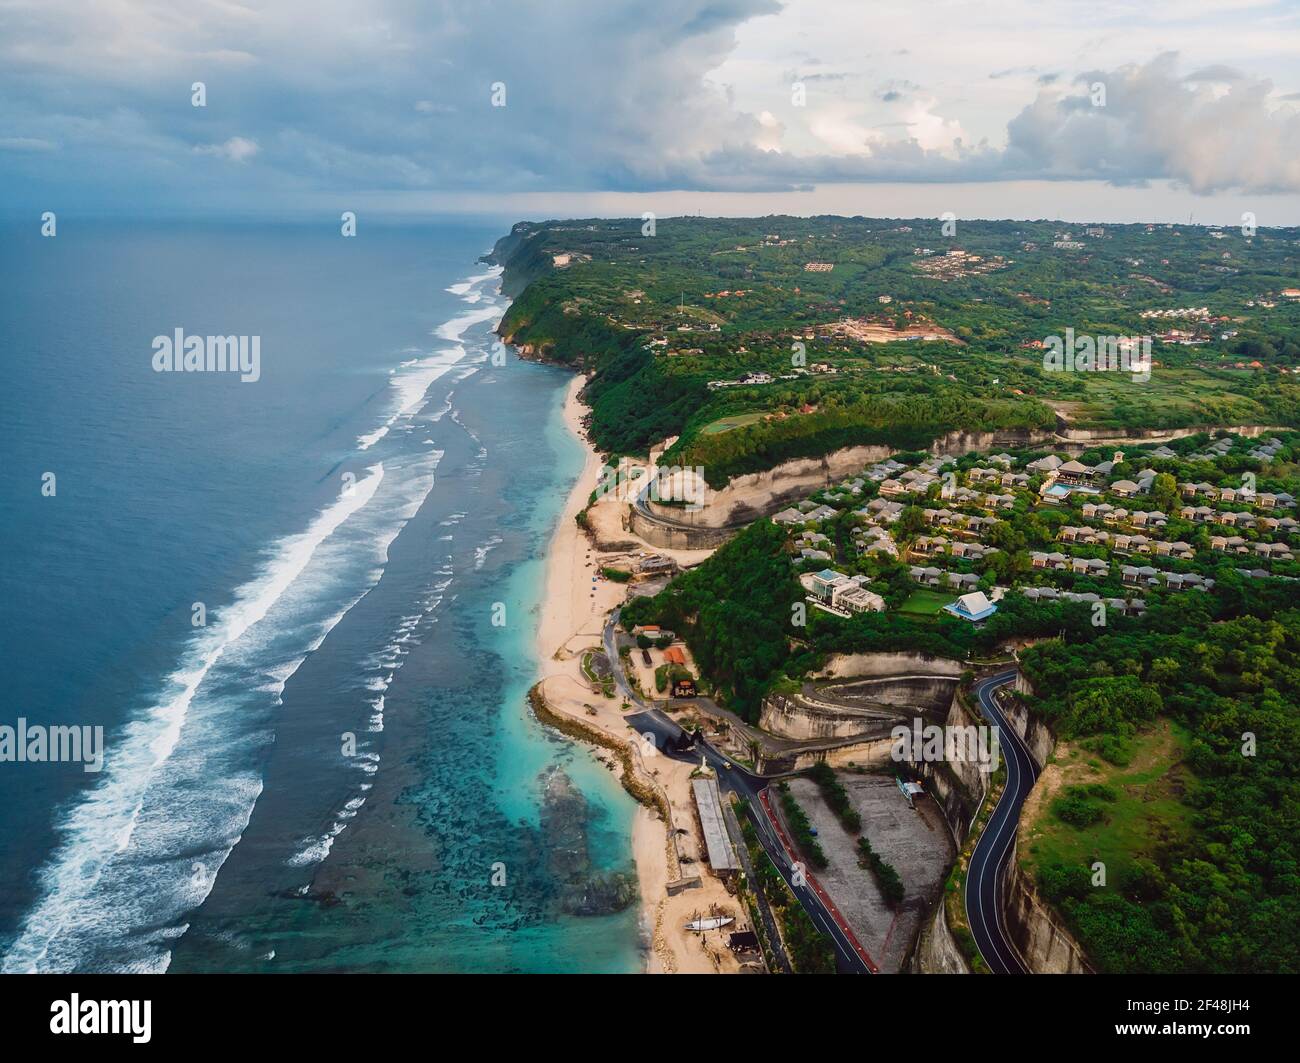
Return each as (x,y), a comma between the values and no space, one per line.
(258,837)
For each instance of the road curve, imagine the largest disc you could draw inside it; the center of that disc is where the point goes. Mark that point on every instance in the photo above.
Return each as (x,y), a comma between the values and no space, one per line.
(988,864)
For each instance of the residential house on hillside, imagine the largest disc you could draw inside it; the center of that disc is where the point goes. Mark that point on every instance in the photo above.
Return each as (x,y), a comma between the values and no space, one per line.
(882,511)
(927,577)
(821,585)
(1176,581)
(1138,574)
(1076,473)
(973,606)
(860,600)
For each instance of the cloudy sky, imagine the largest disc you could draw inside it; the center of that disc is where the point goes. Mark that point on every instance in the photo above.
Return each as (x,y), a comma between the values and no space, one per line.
(1087,109)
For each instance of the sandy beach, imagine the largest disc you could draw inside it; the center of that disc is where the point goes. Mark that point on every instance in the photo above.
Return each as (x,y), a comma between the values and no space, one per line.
(575,605)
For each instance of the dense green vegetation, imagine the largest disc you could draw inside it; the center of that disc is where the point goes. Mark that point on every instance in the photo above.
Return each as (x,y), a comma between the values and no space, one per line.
(658,317)
(1080,806)
(810,951)
(800,827)
(1184,717)
(858,415)
(1224,896)
(735,611)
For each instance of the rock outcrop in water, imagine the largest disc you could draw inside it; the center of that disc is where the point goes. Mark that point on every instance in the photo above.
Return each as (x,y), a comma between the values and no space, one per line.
(564,820)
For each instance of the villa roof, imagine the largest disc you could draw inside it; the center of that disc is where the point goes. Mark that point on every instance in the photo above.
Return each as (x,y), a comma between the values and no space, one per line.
(972,606)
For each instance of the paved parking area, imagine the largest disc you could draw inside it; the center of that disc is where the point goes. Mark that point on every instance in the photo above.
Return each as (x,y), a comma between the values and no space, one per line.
(916,842)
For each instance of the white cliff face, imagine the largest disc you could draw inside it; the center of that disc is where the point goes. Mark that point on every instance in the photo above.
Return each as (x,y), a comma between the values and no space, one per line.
(1107,436)
(1044,943)
(936,951)
(1047,947)
(752,495)
(856,665)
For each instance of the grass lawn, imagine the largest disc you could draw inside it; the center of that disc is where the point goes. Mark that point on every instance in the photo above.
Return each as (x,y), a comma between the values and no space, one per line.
(726,424)
(926,602)
(1183,396)
(1147,813)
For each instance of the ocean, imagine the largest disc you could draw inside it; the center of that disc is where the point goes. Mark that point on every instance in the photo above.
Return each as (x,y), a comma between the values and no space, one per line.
(302,608)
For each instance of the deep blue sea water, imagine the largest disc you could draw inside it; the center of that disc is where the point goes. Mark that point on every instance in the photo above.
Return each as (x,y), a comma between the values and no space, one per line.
(338,769)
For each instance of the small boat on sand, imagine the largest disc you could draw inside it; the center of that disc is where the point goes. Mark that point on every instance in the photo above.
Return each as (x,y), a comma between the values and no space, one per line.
(712,923)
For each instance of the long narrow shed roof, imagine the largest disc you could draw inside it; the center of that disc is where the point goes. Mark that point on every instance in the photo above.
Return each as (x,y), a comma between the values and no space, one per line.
(722,856)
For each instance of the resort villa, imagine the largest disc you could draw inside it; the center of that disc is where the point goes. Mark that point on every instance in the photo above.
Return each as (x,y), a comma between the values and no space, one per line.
(842,594)
(974,607)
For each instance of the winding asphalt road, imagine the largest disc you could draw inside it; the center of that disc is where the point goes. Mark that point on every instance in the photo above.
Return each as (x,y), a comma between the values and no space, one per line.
(851,957)
(988,864)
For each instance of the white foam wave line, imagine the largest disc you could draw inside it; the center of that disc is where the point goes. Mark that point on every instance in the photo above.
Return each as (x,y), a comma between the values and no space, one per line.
(279,676)
(318,848)
(410,382)
(481,552)
(414,376)
(456,328)
(101,824)
(465,286)
(369,761)
(446,408)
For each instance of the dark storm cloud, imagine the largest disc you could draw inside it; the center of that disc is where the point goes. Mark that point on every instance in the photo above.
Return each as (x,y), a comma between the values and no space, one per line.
(333,98)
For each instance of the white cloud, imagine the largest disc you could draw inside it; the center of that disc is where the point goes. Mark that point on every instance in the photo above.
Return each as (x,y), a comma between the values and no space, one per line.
(333,96)
(1211,135)
(236,149)
(931,131)
(27,144)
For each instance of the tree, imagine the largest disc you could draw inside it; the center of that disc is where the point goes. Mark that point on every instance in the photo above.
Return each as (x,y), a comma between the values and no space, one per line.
(1164,492)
